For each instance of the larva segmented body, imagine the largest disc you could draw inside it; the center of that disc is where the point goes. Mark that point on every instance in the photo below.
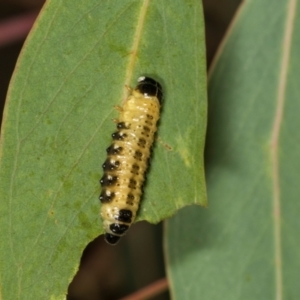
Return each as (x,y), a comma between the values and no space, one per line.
(128,155)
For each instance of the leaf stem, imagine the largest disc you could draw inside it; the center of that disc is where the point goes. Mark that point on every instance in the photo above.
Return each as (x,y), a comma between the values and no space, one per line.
(149,291)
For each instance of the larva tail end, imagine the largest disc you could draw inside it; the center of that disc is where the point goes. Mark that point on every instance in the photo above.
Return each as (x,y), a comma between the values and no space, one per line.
(111,238)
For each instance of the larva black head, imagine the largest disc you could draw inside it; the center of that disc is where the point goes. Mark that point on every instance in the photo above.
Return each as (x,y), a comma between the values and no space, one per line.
(149,87)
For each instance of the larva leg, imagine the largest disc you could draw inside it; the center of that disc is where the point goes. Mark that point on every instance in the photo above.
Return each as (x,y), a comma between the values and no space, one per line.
(118,108)
(129,89)
(165,145)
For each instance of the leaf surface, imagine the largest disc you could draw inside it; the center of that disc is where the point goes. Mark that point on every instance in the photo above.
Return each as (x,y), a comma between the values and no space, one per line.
(58,123)
(246,244)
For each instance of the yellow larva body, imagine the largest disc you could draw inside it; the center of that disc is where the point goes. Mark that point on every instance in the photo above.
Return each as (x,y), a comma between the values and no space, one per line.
(127,161)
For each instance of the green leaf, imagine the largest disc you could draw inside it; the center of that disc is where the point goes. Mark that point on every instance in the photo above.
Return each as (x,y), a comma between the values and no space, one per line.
(246,244)
(58,123)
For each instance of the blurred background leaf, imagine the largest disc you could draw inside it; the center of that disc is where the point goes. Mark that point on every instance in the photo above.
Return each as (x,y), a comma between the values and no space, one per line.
(57,125)
(246,244)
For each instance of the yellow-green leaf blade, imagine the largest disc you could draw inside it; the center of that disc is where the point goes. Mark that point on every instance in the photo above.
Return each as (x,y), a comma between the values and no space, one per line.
(58,122)
(245,245)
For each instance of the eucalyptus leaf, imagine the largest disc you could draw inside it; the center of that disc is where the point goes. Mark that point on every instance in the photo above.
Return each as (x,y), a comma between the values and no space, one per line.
(246,244)
(73,69)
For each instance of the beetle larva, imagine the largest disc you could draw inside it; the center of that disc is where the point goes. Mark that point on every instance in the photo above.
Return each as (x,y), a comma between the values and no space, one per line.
(127,158)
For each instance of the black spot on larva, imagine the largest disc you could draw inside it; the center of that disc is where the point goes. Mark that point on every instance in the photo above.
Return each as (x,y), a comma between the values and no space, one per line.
(110,165)
(146,128)
(108,180)
(135,169)
(125,216)
(130,199)
(138,154)
(114,150)
(132,184)
(119,136)
(142,142)
(106,196)
(118,228)
(111,238)
(149,117)
(122,125)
